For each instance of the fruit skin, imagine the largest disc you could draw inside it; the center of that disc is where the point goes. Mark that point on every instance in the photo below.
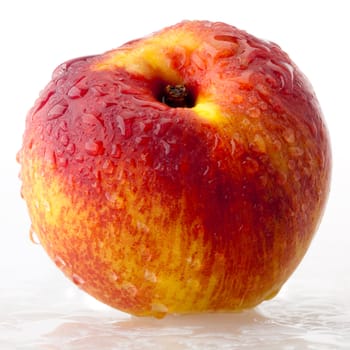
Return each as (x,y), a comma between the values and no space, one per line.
(154,209)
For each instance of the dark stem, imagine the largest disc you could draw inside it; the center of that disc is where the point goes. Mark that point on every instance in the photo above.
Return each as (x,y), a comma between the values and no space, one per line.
(176,96)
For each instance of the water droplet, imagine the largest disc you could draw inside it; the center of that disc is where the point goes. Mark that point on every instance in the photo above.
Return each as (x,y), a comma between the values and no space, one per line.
(296,151)
(22,192)
(198,61)
(254,112)
(63,125)
(233,146)
(146,126)
(281,178)
(291,164)
(70,148)
(284,72)
(290,70)
(262,90)
(94,148)
(127,89)
(59,152)
(159,310)
(62,161)
(121,125)
(192,283)
(59,261)
(99,91)
(64,139)
(161,128)
(195,263)
(57,110)
(46,205)
(250,165)
(226,37)
(50,158)
(206,170)
(79,281)
(19,156)
(48,129)
(116,151)
(115,200)
(296,175)
(180,58)
(259,143)
(142,226)
(108,167)
(130,289)
(145,102)
(150,276)
(76,92)
(91,119)
(111,197)
(44,97)
(59,71)
(289,135)
(79,158)
(237,98)
(166,146)
(33,236)
(277,145)
(114,276)
(142,140)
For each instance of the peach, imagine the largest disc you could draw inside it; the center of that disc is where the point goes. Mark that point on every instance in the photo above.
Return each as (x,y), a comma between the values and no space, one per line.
(183,172)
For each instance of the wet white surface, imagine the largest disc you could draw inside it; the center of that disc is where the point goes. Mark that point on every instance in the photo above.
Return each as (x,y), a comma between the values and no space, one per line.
(45,311)
(288,322)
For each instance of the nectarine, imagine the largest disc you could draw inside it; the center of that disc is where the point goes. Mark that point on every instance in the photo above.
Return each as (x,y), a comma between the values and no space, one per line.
(183,172)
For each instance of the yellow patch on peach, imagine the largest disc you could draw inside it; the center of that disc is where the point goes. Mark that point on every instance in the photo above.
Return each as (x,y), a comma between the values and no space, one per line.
(45,200)
(150,57)
(161,246)
(208,110)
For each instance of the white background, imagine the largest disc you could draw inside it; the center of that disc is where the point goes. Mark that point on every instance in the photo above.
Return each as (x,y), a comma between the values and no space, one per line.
(39,309)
